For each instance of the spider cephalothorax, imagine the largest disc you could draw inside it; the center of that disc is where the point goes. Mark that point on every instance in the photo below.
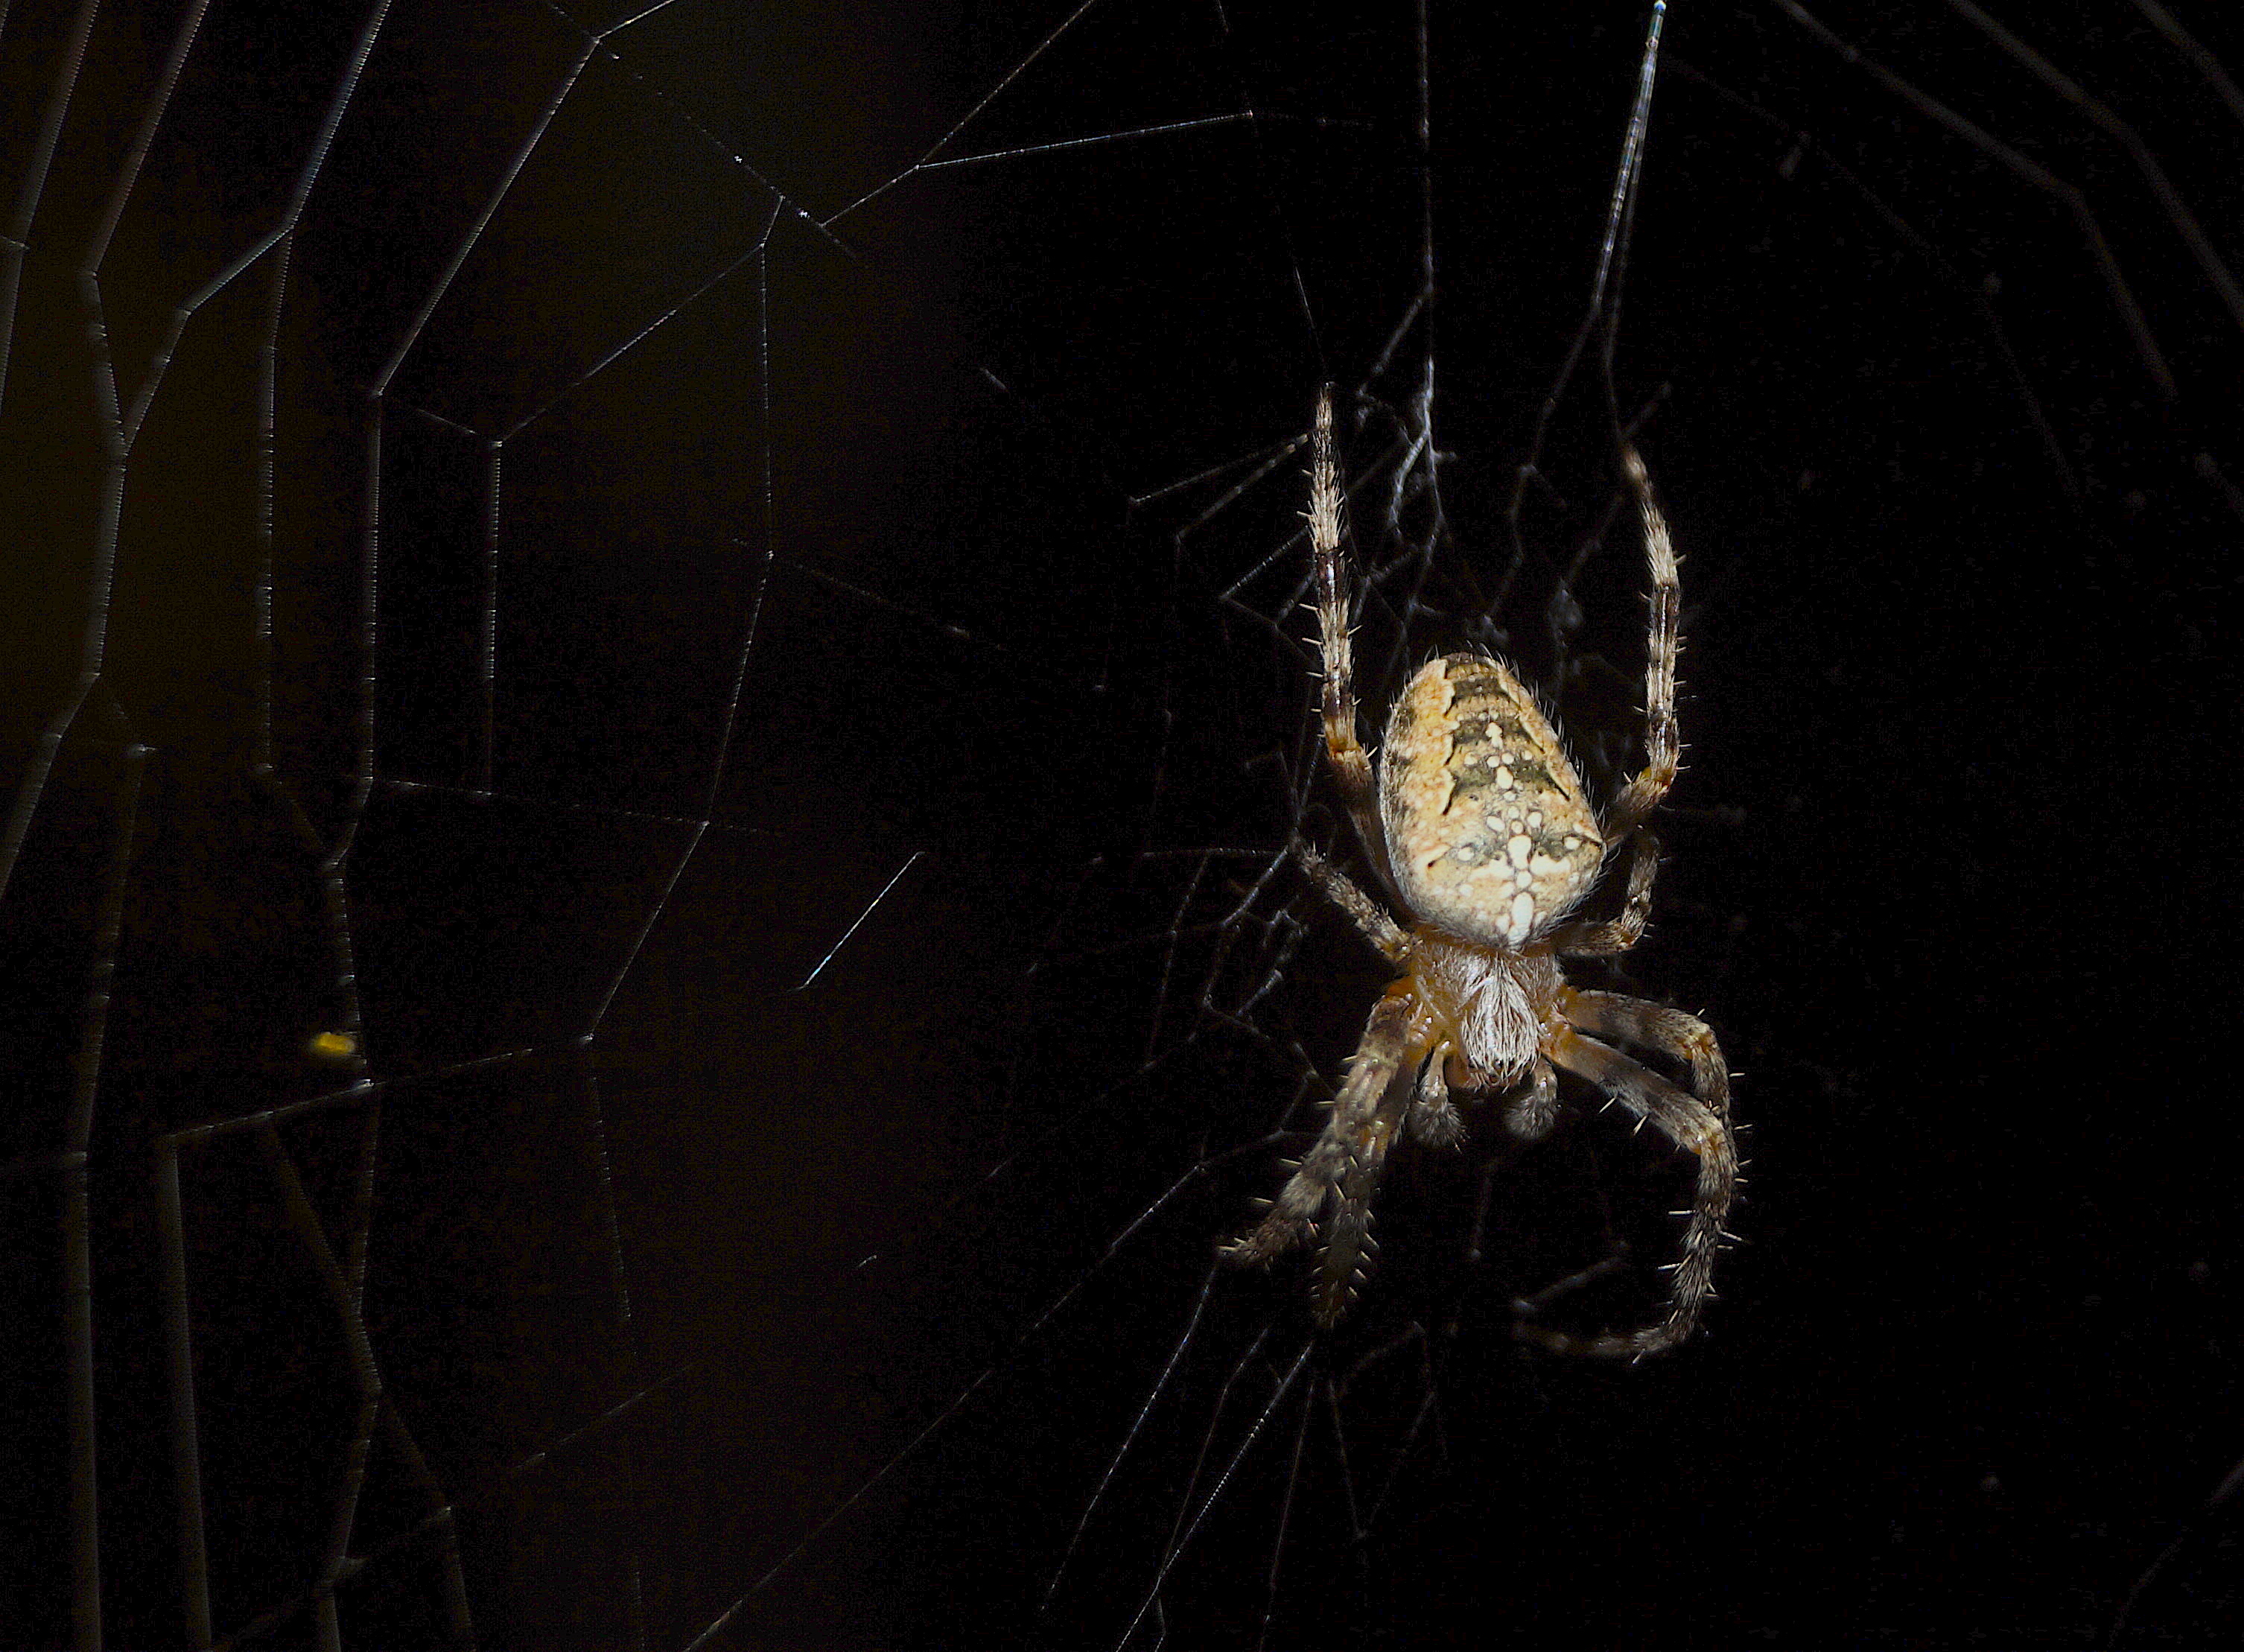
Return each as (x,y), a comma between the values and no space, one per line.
(1477,826)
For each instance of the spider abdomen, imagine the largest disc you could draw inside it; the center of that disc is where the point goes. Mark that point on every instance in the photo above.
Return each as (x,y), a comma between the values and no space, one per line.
(1490,835)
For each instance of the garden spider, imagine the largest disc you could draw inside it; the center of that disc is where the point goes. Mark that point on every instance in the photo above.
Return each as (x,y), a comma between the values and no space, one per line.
(1477,825)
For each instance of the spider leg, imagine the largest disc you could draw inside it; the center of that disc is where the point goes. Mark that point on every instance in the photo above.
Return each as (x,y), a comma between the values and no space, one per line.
(1348,1237)
(1691,1123)
(1382,930)
(1351,765)
(1654,1027)
(1343,1165)
(1662,741)
(1603,938)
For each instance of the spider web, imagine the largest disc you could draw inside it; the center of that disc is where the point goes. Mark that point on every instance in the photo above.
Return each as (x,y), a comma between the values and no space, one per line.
(657,694)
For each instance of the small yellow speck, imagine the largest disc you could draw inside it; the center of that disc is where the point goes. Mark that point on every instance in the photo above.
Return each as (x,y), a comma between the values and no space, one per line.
(331,1046)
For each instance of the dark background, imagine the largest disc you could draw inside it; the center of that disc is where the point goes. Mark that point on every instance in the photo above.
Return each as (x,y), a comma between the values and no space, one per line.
(526,645)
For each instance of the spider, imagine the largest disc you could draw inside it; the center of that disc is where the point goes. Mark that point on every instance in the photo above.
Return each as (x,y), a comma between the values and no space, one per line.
(1476,824)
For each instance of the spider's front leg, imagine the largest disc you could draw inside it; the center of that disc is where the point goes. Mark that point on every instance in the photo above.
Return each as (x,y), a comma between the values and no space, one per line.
(1654,1027)
(1341,1172)
(1693,1125)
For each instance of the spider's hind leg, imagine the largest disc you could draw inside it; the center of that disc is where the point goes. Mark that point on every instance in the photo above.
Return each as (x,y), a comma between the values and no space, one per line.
(1663,741)
(1344,753)
(1604,937)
